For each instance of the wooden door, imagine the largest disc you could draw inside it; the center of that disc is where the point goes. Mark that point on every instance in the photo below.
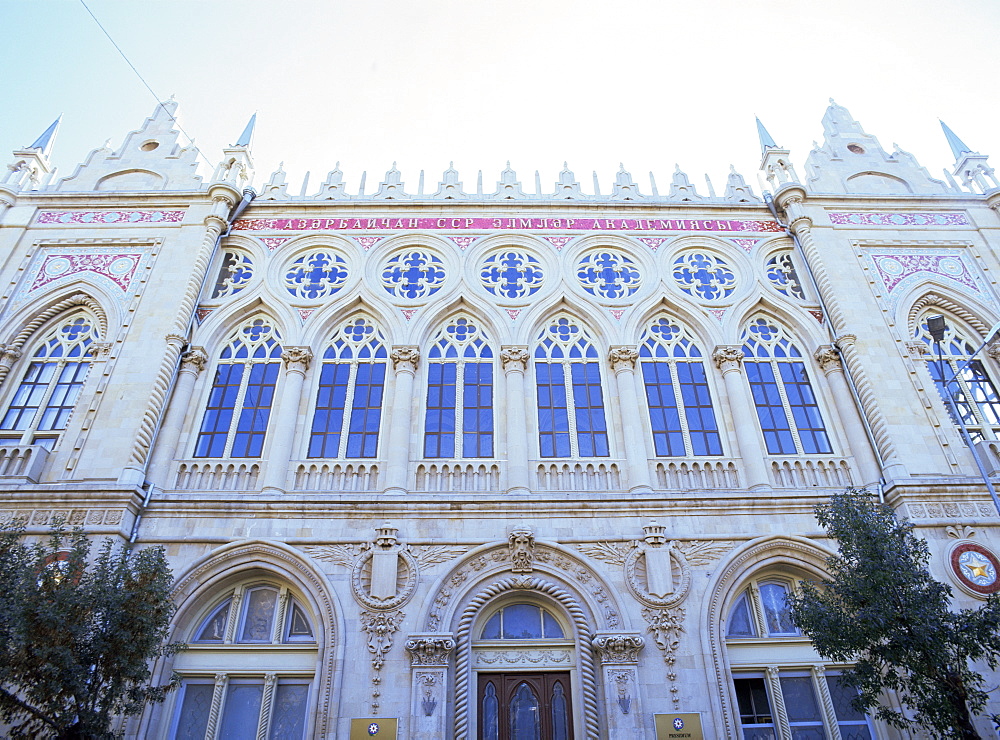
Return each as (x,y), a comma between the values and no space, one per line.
(524,706)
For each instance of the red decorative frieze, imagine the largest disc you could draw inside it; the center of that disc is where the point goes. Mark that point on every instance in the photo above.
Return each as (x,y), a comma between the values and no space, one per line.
(305,313)
(558,241)
(513,313)
(202,313)
(463,242)
(119,268)
(885,218)
(895,268)
(746,244)
(367,242)
(653,242)
(109,217)
(617,313)
(718,313)
(408,313)
(818,315)
(273,242)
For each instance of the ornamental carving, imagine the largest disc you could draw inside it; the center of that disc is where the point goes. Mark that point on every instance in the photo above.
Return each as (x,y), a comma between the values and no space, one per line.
(916,348)
(666,626)
(194,360)
(297,358)
(827,357)
(9,355)
(619,648)
(380,628)
(521,542)
(100,351)
(541,658)
(728,357)
(429,649)
(514,357)
(405,358)
(623,357)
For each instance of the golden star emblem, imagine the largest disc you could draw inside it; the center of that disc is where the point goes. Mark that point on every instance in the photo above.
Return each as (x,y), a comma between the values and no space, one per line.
(977,565)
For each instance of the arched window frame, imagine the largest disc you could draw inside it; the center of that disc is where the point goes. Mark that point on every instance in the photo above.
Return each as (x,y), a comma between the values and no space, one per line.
(40,407)
(973,390)
(275,683)
(795,694)
(569,393)
(246,376)
(350,392)
(460,357)
(788,408)
(678,394)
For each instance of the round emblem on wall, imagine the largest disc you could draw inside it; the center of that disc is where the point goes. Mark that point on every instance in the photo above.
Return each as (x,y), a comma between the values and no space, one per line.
(406,581)
(975,568)
(373,729)
(678,723)
(658,577)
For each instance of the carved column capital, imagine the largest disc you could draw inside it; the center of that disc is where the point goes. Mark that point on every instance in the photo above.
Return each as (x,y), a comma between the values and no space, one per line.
(619,647)
(429,649)
(8,356)
(193,361)
(727,358)
(297,359)
(99,351)
(623,357)
(514,357)
(828,358)
(405,358)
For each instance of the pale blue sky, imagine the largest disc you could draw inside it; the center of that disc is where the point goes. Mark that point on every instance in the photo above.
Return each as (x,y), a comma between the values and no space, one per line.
(483,81)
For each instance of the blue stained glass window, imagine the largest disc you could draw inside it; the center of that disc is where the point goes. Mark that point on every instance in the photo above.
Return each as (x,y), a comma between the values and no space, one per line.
(51,385)
(351,391)
(681,413)
(239,403)
(570,401)
(459,371)
(608,274)
(511,274)
(319,274)
(787,409)
(413,274)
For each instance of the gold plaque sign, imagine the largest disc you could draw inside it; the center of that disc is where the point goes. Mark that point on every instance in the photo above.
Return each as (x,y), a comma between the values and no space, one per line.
(677,726)
(374,728)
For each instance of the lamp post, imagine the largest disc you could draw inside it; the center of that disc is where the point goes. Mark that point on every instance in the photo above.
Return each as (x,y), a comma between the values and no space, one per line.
(937,327)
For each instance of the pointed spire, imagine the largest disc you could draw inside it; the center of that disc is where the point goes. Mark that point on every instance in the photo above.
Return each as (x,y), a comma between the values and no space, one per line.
(247,136)
(48,137)
(766,142)
(958,147)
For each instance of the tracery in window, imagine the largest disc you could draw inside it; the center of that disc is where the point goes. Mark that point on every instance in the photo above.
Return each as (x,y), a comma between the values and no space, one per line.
(413,274)
(318,274)
(511,273)
(245,379)
(351,389)
(787,409)
(459,417)
(571,419)
(608,273)
(680,403)
(522,622)
(780,271)
(45,399)
(704,275)
(235,274)
(973,390)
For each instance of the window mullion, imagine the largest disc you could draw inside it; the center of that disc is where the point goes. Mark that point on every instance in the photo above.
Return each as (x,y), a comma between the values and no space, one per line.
(234,616)
(675,386)
(818,673)
(238,407)
(459,450)
(266,706)
(778,703)
(789,416)
(218,693)
(43,403)
(345,421)
(574,444)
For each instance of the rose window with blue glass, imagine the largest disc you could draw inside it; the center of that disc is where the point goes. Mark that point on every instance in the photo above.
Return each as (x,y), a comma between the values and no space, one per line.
(781,272)
(413,275)
(235,273)
(704,276)
(608,274)
(511,274)
(316,275)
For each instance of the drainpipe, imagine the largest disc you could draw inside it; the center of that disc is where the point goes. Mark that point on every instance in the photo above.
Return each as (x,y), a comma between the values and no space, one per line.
(248,196)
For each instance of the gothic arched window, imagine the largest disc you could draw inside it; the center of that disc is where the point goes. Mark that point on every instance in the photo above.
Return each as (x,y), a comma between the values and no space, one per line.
(459,393)
(571,419)
(786,405)
(248,669)
(973,390)
(677,393)
(350,394)
(42,404)
(795,694)
(239,404)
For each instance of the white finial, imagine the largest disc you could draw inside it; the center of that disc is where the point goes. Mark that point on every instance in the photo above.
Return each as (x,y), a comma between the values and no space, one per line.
(732,169)
(451,165)
(508,164)
(832,102)
(337,166)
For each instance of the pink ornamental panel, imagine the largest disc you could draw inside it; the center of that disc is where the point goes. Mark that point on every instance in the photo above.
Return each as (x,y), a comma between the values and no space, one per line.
(119,268)
(109,217)
(894,268)
(899,219)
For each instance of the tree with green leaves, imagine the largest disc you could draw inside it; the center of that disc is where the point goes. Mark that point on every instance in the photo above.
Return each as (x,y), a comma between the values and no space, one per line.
(882,611)
(77,637)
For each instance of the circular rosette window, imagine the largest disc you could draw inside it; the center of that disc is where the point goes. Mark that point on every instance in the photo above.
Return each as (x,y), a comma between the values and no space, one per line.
(704,275)
(318,274)
(608,273)
(975,568)
(511,274)
(384,579)
(657,576)
(413,274)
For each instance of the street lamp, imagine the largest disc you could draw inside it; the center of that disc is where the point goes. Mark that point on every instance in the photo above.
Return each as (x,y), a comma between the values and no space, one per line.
(937,327)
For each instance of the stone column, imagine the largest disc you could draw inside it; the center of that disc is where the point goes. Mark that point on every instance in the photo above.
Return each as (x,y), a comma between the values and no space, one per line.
(429,663)
(8,356)
(397,458)
(297,361)
(623,359)
(514,359)
(828,359)
(192,363)
(619,654)
(729,360)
